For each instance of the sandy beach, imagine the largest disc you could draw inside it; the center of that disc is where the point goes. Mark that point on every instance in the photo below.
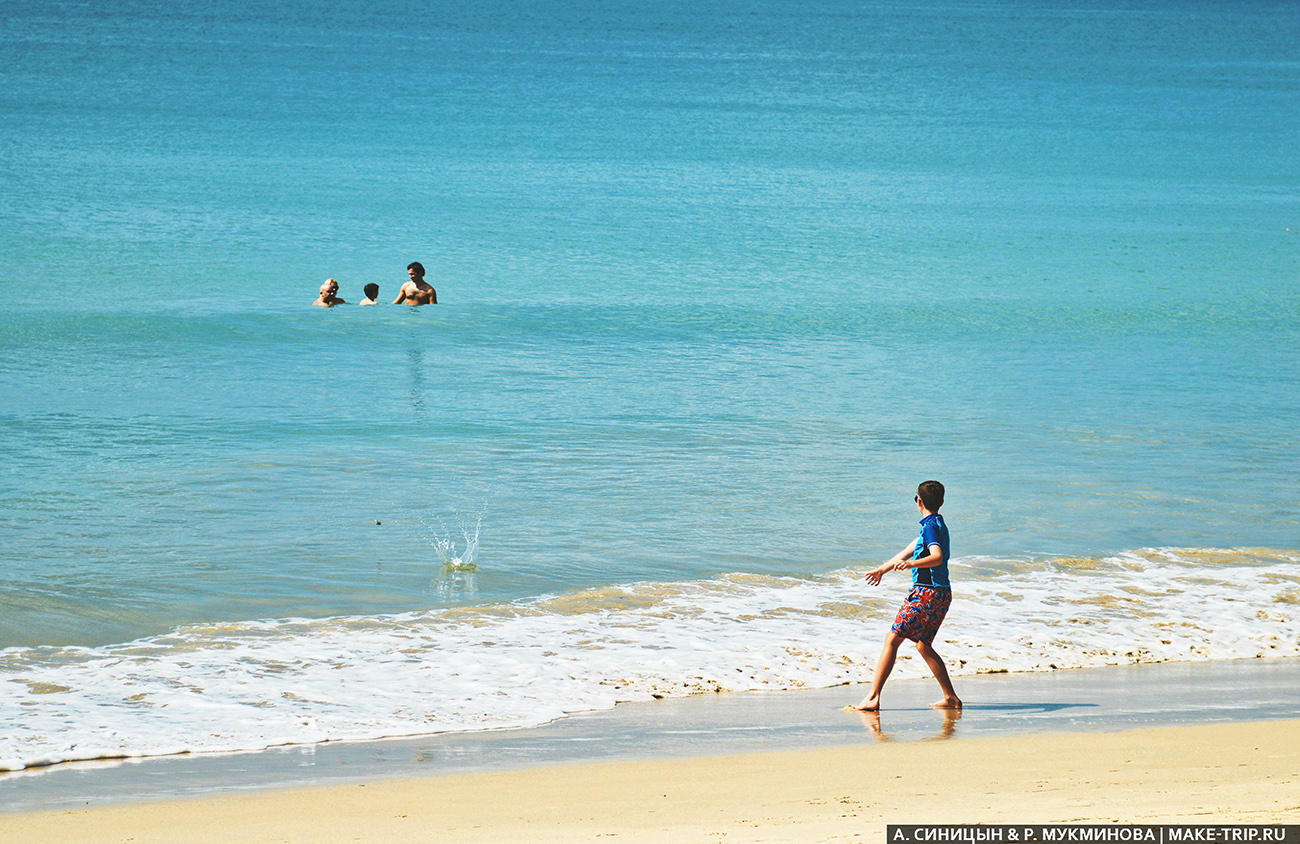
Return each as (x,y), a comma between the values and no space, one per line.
(1229,773)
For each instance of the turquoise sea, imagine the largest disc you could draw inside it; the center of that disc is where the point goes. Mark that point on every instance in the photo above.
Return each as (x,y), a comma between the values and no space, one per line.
(720,283)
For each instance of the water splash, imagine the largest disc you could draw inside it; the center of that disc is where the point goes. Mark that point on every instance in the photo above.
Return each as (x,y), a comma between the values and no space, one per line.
(455,578)
(463,556)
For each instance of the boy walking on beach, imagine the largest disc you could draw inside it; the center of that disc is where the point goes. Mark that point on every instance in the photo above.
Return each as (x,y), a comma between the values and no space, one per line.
(926,605)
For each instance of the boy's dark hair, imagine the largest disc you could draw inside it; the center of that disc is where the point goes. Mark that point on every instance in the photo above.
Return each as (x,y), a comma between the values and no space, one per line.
(931,495)
(372,290)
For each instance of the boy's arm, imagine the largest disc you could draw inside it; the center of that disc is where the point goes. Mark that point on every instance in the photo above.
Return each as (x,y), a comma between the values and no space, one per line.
(896,563)
(900,559)
(934,552)
(929,561)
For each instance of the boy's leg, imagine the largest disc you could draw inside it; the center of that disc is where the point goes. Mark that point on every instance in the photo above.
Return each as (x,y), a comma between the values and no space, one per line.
(940,672)
(883,667)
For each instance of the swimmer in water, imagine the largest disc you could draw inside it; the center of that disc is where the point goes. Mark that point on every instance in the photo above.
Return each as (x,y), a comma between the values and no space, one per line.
(328,297)
(417,291)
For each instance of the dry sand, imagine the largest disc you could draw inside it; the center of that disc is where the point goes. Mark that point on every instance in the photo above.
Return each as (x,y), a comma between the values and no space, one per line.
(1223,773)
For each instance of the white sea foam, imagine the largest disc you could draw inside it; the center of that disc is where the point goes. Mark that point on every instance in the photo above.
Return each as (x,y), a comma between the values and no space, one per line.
(263,683)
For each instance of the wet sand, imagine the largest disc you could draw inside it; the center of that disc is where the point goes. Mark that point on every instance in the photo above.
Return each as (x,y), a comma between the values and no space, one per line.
(1221,773)
(1211,742)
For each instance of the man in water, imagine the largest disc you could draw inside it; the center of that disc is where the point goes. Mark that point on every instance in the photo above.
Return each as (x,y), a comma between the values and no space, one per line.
(417,291)
(328,297)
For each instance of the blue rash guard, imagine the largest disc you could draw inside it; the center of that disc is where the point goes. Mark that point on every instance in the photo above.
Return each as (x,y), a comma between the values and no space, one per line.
(933,532)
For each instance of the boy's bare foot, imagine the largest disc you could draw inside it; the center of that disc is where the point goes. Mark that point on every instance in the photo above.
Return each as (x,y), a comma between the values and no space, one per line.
(947,703)
(868,704)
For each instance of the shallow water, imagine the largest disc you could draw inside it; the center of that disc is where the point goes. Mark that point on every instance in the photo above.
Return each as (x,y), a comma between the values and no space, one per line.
(1095,700)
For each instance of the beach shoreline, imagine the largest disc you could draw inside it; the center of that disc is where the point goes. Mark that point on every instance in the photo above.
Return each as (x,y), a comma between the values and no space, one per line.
(1011,706)
(1243,772)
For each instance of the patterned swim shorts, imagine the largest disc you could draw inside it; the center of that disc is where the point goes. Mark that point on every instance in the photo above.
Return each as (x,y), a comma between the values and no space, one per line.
(922,613)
